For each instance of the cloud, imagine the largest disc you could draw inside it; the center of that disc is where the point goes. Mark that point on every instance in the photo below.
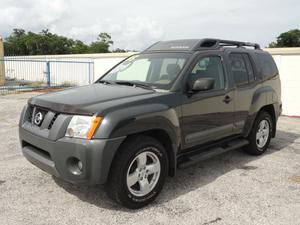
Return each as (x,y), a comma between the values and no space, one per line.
(139,33)
(31,14)
(132,33)
(135,25)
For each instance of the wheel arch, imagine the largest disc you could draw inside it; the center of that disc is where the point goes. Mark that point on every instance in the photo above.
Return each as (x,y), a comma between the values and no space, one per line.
(164,138)
(264,99)
(267,108)
(155,120)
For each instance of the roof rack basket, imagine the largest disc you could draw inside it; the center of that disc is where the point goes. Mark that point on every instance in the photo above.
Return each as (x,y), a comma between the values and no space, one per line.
(217,43)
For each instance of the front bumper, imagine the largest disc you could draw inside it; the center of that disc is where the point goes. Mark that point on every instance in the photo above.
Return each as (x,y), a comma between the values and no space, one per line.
(54,157)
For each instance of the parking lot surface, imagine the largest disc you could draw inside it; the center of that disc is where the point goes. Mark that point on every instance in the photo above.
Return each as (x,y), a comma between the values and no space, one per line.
(233,188)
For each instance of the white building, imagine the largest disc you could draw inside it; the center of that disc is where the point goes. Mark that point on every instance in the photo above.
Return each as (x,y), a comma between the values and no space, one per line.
(288,63)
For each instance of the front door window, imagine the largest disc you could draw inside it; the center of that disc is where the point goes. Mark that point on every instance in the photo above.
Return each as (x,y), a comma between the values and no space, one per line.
(209,67)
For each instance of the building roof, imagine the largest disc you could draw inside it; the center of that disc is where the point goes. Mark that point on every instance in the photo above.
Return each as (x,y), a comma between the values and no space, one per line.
(283,51)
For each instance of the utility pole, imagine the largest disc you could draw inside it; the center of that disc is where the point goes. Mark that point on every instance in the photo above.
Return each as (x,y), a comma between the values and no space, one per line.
(2,68)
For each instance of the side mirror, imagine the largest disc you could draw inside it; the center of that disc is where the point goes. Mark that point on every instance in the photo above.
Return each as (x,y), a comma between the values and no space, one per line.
(203,84)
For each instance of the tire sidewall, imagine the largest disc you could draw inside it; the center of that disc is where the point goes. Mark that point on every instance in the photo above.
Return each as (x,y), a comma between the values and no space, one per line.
(159,151)
(267,117)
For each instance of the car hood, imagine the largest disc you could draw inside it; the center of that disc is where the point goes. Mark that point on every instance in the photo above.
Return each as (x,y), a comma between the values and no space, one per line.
(88,99)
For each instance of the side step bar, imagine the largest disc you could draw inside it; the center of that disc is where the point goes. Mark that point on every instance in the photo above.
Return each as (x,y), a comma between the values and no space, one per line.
(211,152)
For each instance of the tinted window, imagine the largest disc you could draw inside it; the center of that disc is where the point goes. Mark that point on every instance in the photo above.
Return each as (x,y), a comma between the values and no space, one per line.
(249,68)
(268,66)
(238,69)
(209,67)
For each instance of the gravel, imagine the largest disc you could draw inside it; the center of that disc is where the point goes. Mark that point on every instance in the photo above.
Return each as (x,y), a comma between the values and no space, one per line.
(233,188)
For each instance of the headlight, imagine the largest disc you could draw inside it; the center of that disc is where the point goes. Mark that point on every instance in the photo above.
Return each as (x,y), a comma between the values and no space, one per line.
(83,126)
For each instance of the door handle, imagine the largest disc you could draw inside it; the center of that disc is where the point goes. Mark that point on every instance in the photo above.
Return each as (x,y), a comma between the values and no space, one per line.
(227,99)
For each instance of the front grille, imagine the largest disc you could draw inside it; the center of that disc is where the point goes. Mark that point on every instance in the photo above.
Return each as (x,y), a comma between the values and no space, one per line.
(29,114)
(32,112)
(52,121)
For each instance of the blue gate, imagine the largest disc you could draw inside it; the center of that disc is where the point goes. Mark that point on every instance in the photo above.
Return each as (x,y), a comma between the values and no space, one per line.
(22,74)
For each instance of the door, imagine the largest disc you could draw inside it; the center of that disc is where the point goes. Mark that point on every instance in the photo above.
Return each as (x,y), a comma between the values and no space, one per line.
(207,115)
(245,81)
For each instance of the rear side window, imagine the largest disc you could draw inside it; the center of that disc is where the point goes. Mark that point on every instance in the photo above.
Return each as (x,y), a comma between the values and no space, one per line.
(239,69)
(249,68)
(268,66)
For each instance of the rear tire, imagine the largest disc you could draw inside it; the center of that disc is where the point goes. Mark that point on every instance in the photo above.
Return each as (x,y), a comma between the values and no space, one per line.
(260,135)
(138,172)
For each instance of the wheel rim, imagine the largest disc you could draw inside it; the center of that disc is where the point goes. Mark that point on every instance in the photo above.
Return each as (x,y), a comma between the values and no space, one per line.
(143,173)
(262,134)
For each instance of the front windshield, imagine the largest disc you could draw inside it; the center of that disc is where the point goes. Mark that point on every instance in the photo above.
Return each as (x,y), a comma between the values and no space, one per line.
(158,70)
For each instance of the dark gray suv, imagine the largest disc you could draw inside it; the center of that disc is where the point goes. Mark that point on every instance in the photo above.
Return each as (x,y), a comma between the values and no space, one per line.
(174,104)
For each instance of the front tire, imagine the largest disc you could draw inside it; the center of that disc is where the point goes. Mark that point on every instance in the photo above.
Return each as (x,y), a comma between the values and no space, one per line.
(260,135)
(138,172)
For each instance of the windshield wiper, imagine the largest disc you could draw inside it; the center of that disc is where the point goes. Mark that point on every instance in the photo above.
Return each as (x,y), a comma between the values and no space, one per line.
(104,82)
(134,84)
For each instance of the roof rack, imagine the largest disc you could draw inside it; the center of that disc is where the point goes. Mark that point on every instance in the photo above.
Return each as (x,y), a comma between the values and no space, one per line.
(187,45)
(217,43)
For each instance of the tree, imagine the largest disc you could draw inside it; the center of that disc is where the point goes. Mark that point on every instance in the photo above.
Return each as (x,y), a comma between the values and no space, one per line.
(21,42)
(102,44)
(287,39)
(105,38)
(18,32)
(119,50)
(45,42)
(78,47)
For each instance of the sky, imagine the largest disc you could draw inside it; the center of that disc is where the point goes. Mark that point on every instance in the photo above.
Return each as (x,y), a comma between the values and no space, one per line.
(135,24)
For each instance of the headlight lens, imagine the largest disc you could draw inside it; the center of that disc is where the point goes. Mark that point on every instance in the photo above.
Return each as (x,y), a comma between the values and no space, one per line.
(83,126)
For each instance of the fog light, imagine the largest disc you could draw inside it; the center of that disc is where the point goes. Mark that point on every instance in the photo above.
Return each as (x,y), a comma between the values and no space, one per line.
(75,166)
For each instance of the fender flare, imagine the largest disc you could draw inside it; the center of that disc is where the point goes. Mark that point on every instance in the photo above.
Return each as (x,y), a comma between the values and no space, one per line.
(262,97)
